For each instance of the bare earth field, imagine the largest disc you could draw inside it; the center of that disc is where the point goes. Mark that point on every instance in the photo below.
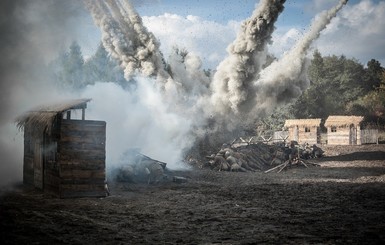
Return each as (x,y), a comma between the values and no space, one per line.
(341,202)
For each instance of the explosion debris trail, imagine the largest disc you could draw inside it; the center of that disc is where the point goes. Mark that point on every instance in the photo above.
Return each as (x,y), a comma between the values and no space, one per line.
(126,39)
(232,84)
(182,105)
(137,50)
(286,79)
(243,96)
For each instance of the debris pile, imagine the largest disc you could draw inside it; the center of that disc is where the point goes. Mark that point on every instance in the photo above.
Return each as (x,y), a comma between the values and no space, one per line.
(297,155)
(262,157)
(139,168)
(135,167)
(253,157)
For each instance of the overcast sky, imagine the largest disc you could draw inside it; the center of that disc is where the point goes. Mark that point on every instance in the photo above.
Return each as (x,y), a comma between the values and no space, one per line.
(206,27)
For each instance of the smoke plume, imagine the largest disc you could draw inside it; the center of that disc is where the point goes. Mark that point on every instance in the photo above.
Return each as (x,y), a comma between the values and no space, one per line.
(126,39)
(174,102)
(240,91)
(286,79)
(32,33)
(232,85)
(139,119)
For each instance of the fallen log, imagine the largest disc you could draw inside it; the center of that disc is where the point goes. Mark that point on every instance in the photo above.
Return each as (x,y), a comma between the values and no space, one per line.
(283,164)
(257,157)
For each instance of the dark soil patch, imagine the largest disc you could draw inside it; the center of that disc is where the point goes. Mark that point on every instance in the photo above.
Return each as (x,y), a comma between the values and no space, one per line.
(317,205)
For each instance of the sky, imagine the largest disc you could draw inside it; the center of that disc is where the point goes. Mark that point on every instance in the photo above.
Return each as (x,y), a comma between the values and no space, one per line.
(207,27)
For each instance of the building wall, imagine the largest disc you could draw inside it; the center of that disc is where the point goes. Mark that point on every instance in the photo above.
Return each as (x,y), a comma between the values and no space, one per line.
(292,133)
(81,158)
(302,136)
(51,168)
(28,170)
(342,136)
(69,162)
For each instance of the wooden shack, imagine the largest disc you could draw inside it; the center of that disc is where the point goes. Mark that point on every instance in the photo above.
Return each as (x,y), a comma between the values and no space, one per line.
(304,130)
(64,154)
(344,130)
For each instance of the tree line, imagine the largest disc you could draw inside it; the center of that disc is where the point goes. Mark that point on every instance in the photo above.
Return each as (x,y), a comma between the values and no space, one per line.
(341,86)
(71,72)
(338,85)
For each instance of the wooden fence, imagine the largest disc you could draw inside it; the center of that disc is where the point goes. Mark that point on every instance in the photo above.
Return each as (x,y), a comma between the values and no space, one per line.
(369,136)
(280,136)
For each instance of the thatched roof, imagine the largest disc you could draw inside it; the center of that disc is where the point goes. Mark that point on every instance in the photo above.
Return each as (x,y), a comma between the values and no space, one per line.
(303,122)
(340,121)
(42,118)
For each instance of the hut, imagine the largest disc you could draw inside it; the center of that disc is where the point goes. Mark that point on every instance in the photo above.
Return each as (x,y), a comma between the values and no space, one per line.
(344,130)
(304,130)
(64,154)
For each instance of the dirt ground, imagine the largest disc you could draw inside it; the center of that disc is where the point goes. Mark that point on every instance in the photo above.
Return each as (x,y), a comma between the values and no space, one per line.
(340,202)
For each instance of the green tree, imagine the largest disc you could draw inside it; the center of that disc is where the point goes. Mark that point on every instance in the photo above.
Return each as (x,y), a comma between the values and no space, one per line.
(68,68)
(56,68)
(317,66)
(102,68)
(374,72)
(73,67)
(335,81)
(371,105)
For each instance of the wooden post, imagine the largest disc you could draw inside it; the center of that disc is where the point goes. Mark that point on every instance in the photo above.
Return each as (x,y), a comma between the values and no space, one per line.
(83,113)
(358,135)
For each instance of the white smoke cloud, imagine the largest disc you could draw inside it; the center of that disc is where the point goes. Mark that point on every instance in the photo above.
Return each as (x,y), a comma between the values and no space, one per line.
(358,32)
(243,91)
(283,40)
(232,83)
(285,79)
(239,86)
(11,143)
(207,39)
(32,33)
(315,6)
(126,38)
(358,23)
(160,118)
(139,118)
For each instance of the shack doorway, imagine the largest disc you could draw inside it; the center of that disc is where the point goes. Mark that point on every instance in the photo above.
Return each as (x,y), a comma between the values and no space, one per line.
(352,135)
(38,166)
(295,136)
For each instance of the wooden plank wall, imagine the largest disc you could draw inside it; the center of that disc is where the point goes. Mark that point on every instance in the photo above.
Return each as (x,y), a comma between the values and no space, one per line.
(308,137)
(28,171)
(369,136)
(311,137)
(81,158)
(292,134)
(51,168)
(341,137)
(38,165)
